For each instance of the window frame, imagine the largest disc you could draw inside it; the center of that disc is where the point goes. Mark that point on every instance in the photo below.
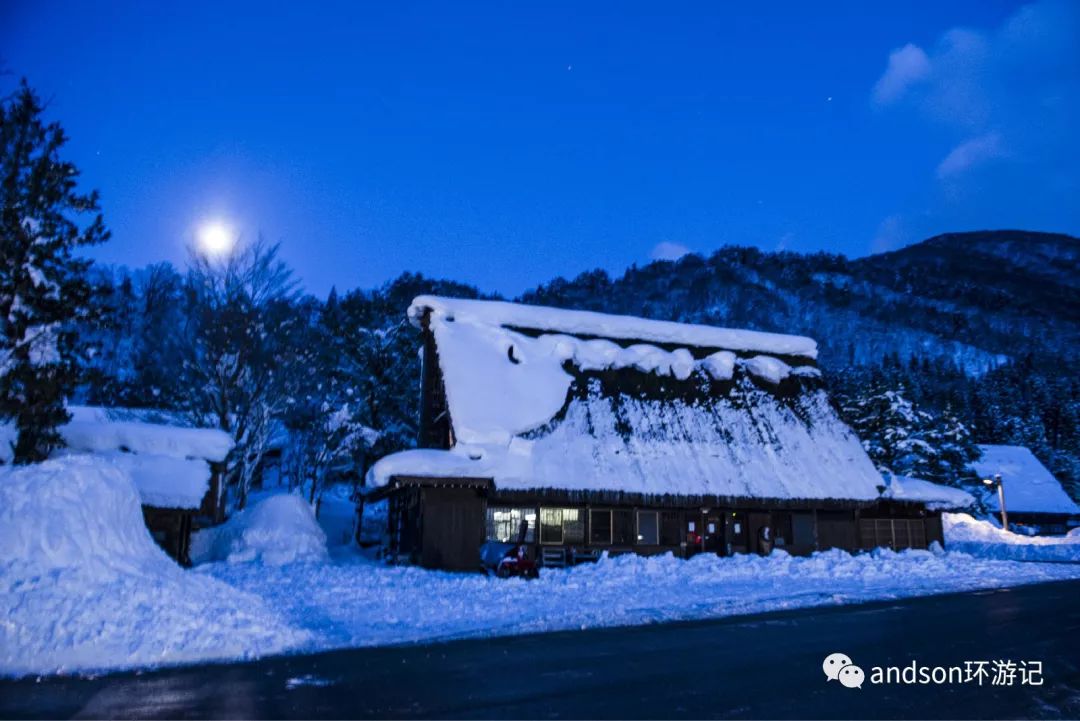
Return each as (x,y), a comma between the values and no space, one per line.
(524,513)
(610,527)
(637,528)
(543,525)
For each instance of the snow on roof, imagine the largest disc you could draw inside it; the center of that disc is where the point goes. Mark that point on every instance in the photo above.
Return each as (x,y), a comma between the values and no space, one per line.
(603,325)
(1029,486)
(95,429)
(934,495)
(167,460)
(754,447)
(527,409)
(164,481)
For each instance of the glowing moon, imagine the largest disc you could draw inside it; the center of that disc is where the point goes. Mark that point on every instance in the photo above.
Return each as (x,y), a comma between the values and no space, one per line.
(216,239)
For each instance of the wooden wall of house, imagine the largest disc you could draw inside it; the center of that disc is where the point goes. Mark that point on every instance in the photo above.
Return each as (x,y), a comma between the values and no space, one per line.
(453,528)
(444,527)
(170,529)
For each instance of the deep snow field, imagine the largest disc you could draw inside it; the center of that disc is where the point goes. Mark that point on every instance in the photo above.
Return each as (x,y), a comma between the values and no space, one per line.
(83,588)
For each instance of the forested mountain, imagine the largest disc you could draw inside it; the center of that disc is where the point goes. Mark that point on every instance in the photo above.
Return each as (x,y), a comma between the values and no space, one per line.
(965,297)
(983,325)
(976,331)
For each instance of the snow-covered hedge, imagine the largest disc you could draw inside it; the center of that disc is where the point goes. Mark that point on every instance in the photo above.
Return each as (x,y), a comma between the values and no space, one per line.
(277,530)
(83,586)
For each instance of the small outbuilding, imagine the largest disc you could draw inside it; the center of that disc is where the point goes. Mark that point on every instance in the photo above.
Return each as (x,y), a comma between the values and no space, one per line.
(582,432)
(1034,499)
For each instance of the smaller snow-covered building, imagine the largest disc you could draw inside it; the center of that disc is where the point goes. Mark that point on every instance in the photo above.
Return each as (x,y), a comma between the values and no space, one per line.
(176,469)
(583,432)
(1033,497)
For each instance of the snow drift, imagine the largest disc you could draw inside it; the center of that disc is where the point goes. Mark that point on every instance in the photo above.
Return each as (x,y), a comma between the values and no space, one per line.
(353,603)
(275,531)
(83,586)
(985,540)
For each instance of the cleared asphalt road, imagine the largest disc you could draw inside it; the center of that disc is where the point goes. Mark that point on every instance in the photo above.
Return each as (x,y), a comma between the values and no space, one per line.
(766,666)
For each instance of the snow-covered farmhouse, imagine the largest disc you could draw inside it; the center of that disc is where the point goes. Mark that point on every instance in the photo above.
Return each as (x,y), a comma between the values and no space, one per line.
(1033,497)
(176,469)
(580,432)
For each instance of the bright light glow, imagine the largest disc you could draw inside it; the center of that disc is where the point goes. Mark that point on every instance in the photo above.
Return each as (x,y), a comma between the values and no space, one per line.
(216,239)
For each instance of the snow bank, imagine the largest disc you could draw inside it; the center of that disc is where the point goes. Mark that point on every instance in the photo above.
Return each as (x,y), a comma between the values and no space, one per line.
(277,530)
(965,534)
(1029,485)
(83,586)
(587,323)
(361,603)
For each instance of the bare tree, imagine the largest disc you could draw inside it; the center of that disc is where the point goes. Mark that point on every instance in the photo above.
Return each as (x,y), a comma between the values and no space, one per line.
(238,357)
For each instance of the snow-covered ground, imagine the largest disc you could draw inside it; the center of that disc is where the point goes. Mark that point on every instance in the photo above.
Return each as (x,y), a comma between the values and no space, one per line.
(84,588)
(356,602)
(965,534)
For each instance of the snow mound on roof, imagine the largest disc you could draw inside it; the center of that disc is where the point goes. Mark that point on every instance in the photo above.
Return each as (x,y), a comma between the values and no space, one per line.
(277,530)
(983,539)
(94,429)
(1029,486)
(934,495)
(622,327)
(84,587)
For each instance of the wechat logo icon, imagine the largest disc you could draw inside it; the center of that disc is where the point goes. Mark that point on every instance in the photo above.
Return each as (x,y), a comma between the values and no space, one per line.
(838,667)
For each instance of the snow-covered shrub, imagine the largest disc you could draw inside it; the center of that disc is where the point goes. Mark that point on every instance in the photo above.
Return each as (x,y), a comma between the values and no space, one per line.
(277,530)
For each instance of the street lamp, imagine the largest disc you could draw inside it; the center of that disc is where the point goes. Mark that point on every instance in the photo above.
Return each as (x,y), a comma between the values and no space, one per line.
(997,481)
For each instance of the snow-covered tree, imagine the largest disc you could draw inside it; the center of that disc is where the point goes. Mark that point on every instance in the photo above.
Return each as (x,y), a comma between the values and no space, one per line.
(900,438)
(43,285)
(328,438)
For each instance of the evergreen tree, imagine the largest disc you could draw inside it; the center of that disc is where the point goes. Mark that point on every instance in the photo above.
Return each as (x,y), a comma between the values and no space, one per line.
(44,289)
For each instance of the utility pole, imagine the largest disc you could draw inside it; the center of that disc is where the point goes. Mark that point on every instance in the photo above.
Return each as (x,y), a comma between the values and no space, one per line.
(1000,484)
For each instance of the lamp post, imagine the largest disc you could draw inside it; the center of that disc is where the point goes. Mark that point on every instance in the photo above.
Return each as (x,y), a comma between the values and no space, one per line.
(997,481)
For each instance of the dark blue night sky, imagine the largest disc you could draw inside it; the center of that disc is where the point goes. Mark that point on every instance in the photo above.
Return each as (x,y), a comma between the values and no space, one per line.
(505,144)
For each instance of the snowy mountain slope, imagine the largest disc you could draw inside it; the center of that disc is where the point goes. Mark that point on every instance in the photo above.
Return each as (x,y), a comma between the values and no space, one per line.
(967,297)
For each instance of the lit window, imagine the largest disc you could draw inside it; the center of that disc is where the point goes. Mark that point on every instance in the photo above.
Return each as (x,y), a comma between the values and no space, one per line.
(551,529)
(562,525)
(504,524)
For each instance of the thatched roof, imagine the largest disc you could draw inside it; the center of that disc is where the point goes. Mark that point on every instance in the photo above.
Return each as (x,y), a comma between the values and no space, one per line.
(538,409)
